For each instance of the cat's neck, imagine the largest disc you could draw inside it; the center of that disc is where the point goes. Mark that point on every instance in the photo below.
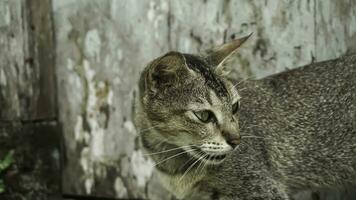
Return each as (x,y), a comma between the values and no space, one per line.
(178,170)
(169,159)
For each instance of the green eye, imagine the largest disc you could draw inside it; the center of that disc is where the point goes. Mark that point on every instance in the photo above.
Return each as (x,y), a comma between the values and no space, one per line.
(204,116)
(235,107)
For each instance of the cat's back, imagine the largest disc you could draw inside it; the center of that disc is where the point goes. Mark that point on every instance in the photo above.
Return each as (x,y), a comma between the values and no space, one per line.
(315,98)
(300,126)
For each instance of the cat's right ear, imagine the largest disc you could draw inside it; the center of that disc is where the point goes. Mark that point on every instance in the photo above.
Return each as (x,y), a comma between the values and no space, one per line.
(166,71)
(218,56)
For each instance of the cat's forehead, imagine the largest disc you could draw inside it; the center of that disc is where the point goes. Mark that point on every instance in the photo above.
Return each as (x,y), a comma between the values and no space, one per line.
(211,80)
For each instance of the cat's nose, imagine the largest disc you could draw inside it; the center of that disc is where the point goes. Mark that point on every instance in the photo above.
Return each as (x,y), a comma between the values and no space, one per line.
(232,139)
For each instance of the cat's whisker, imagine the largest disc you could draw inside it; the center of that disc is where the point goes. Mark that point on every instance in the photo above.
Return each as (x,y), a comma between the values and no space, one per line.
(235,96)
(203,161)
(201,164)
(191,158)
(343,157)
(242,89)
(238,83)
(191,166)
(175,155)
(144,130)
(238,148)
(186,130)
(243,123)
(160,142)
(252,126)
(247,144)
(252,136)
(168,150)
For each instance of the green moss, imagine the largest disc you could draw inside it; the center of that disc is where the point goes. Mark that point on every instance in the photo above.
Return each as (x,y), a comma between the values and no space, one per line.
(4,164)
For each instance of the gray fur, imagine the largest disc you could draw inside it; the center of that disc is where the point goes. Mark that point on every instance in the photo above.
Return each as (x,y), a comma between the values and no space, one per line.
(298,128)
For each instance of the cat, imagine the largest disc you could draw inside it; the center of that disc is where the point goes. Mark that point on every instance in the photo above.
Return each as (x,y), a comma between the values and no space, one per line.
(212,137)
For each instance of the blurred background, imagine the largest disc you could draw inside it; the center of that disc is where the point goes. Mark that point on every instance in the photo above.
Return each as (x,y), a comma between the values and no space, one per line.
(69,70)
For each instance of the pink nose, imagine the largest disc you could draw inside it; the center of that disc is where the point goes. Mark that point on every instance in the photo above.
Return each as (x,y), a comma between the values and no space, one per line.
(232,139)
(234,143)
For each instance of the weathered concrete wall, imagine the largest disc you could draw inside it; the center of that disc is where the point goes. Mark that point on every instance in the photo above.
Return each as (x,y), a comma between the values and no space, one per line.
(101,48)
(12,42)
(27,62)
(103,45)
(27,101)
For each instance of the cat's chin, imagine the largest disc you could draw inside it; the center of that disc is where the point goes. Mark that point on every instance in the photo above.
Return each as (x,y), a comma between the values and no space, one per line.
(208,158)
(215,159)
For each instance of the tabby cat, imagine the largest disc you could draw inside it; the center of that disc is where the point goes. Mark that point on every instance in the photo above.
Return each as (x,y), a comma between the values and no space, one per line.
(216,138)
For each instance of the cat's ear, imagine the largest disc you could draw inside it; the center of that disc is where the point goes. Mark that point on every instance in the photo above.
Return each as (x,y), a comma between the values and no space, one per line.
(165,71)
(218,56)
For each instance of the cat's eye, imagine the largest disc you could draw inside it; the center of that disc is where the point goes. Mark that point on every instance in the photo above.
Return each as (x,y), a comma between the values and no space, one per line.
(235,107)
(205,116)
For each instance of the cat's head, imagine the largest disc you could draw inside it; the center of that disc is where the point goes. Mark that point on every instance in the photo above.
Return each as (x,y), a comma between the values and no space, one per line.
(188,102)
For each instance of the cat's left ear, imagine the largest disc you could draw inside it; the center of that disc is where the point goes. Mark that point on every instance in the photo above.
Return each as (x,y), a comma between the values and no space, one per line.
(217,56)
(166,71)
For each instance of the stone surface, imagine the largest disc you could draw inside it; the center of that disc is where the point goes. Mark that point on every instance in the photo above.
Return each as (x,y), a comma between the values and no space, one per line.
(27,90)
(99,60)
(28,101)
(13,39)
(271,22)
(335,28)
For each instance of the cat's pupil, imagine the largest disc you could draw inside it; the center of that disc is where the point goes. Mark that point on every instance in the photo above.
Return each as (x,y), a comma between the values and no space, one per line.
(235,107)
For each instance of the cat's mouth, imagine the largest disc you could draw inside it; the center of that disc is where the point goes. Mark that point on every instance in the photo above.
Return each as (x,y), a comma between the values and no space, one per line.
(209,158)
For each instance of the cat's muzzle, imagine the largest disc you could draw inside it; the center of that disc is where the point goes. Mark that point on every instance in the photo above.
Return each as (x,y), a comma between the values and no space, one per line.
(209,158)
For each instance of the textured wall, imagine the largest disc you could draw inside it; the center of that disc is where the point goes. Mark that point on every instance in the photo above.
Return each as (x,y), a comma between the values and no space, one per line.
(101,48)
(26,77)
(103,45)
(12,42)
(28,101)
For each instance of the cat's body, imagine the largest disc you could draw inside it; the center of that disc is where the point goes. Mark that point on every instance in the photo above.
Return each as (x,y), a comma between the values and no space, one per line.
(304,121)
(298,131)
